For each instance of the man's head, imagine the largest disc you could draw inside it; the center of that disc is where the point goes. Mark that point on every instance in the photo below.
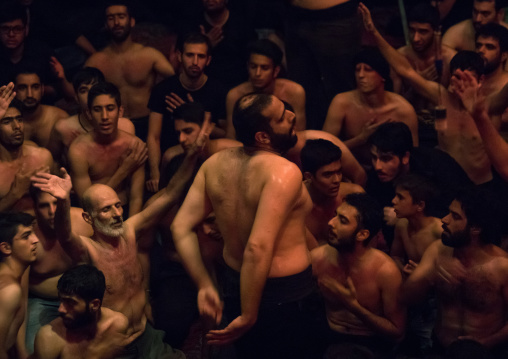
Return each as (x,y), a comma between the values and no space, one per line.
(83,81)
(262,120)
(473,215)
(189,118)
(104,103)
(119,21)
(194,54)
(358,219)
(13,25)
(423,20)
(486,11)
(12,127)
(213,7)
(80,290)
(265,58)
(17,239)
(492,45)
(321,166)
(390,148)
(29,89)
(371,71)
(468,61)
(45,207)
(102,209)
(413,195)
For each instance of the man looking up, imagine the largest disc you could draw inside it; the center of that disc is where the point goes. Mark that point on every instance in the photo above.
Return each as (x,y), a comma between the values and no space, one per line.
(102,156)
(263,66)
(322,171)
(260,206)
(361,285)
(132,67)
(18,248)
(84,329)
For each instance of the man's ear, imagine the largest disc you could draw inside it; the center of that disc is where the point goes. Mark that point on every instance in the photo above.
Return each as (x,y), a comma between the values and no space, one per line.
(262,137)
(276,71)
(307,176)
(133,21)
(420,206)
(405,158)
(362,235)
(5,248)
(95,305)
(88,219)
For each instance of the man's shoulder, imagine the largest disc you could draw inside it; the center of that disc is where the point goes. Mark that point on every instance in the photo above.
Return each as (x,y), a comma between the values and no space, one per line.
(239,91)
(10,291)
(37,152)
(55,112)
(114,320)
(458,28)
(288,87)
(67,123)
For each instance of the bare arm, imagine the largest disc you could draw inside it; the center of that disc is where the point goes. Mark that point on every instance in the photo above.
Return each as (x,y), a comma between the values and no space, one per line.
(336,115)
(131,163)
(423,277)
(153,142)
(298,103)
(231,99)
(161,65)
(79,169)
(137,184)
(397,251)
(47,344)
(10,298)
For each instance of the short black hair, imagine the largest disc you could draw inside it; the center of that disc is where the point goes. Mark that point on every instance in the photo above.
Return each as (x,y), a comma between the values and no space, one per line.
(424,13)
(496,31)
(420,189)
(28,70)
(393,137)
(129,5)
(195,38)
(17,104)
(467,60)
(104,88)
(190,112)
(9,223)
(499,4)
(318,153)
(266,48)
(248,118)
(370,214)
(12,10)
(87,76)
(85,281)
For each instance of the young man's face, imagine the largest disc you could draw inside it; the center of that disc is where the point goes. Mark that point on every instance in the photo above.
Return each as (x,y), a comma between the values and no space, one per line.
(327,179)
(194,59)
(29,91)
(484,12)
(282,123)
(403,203)
(45,209)
(74,311)
(11,129)
(105,113)
(262,72)
(342,228)
(82,95)
(421,35)
(12,34)
(24,245)
(188,133)
(387,165)
(489,50)
(118,22)
(455,229)
(367,79)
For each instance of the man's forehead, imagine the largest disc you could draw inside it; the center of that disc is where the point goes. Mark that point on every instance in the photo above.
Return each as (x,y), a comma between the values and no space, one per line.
(420,25)
(28,79)
(487,40)
(22,229)
(12,112)
(104,100)
(332,166)
(14,22)
(484,5)
(116,10)
(182,124)
(375,151)
(346,210)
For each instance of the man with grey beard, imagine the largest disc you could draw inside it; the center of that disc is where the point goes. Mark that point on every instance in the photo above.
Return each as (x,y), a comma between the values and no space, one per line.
(113,247)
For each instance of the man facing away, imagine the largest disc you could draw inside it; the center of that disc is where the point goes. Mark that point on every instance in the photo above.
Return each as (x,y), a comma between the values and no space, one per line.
(260,206)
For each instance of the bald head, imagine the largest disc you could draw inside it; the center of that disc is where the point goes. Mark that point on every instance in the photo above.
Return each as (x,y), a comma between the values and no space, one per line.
(95,194)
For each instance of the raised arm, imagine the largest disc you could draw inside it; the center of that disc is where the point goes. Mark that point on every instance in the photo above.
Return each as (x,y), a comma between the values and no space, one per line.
(399,63)
(79,169)
(231,99)
(153,142)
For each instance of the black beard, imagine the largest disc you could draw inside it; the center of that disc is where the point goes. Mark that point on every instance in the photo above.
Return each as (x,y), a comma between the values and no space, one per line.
(80,321)
(456,240)
(491,67)
(283,143)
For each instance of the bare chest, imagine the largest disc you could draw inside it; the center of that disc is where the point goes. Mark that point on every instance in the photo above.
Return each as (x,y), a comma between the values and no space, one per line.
(359,115)
(104,160)
(127,70)
(51,260)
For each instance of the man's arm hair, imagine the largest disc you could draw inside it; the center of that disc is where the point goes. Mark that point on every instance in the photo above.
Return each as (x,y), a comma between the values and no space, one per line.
(10,298)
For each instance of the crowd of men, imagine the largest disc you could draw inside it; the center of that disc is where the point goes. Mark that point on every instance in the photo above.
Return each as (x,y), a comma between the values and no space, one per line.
(260,191)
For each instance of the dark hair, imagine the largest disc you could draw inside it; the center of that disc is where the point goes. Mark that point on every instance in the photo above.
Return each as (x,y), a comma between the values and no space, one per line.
(467,60)
(496,31)
(482,210)
(195,38)
(424,13)
(17,104)
(87,75)
(499,4)
(370,214)
(128,5)
(28,70)
(85,281)
(318,153)
(392,137)
(267,48)
(190,112)
(104,88)
(12,10)
(248,118)
(420,189)
(9,223)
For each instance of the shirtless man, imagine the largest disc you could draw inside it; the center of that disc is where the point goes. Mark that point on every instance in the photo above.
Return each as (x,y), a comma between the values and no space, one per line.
(457,133)
(66,130)
(469,274)
(39,118)
(361,285)
(85,329)
(260,205)
(322,171)
(353,116)
(18,245)
(51,262)
(462,35)
(113,247)
(132,67)
(103,155)
(17,161)
(263,66)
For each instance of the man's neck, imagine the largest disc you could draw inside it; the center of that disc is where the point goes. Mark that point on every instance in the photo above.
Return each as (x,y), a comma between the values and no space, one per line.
(419,221)
(491,79)
(15,55)
(123,46)
(106,241)
(192,84)
(374,99)
(260,147)
(270,89)
(217,18)
(13,267)
(105,139)
(9,155)
(320,198)
(427,54)
(44,232)
(354,258)
(33,115)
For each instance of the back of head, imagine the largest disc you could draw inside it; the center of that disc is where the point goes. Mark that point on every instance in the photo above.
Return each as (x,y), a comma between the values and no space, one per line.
(12,10)
(194,38)
(190,112)
(85,281)
(467,60)
(266,48)
(496,31)
(318,153)
(104,88)
(9,223)
(420,189)
(87,76)
(248,118)
(392,137)
(370,213)
(424,13)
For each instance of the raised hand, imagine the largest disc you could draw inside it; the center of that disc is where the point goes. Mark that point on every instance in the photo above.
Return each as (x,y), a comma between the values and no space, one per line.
(7,94)
(58,187)
(206,129)
(467,87)
(367,18)
(57,68)
(135,156)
